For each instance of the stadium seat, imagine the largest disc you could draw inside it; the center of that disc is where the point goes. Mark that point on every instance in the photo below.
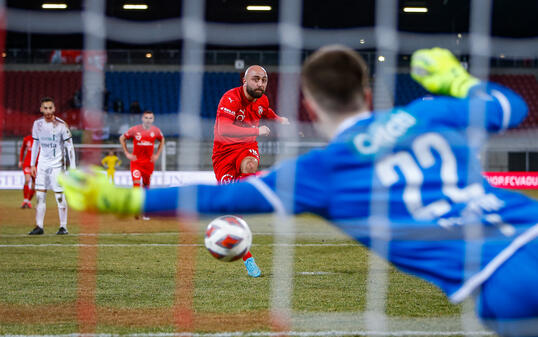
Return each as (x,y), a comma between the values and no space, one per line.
(24,89)
(160,92)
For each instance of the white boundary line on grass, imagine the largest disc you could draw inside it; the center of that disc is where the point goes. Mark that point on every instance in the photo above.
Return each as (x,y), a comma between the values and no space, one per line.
(275,334)
(326,234)
(71,245)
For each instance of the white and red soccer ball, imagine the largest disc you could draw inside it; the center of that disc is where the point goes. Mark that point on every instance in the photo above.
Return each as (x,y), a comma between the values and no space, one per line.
(228,238)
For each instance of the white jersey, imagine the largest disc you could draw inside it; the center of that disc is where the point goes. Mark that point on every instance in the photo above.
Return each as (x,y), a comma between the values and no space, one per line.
(51,137)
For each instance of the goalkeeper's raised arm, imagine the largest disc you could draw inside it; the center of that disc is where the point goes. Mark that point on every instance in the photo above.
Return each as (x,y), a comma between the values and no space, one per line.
(439,72)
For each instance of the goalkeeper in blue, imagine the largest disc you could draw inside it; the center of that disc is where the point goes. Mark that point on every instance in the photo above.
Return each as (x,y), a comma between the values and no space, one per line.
(405,183)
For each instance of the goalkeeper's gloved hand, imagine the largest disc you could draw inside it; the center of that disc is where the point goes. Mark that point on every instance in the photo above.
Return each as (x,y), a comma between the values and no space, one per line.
(92,191)
(439,72)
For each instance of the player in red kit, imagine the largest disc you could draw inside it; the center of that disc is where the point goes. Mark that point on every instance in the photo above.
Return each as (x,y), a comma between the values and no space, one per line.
(143,157)
(24,163)
(235,149)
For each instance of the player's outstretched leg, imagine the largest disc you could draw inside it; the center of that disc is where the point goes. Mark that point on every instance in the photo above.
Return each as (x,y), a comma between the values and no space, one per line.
(252,268)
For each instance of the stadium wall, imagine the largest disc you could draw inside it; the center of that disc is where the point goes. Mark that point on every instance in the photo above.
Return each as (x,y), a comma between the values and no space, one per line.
(14,180)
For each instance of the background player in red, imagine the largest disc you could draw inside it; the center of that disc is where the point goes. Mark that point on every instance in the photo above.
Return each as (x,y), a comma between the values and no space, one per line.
(235,149)
(143,157)
(28,190)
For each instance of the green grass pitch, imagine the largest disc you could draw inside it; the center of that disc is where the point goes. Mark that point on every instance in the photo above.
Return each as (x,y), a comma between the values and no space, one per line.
(139,276)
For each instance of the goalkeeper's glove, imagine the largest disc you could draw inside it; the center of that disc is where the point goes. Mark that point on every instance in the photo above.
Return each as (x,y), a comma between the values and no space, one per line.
(439,72)
(92,191)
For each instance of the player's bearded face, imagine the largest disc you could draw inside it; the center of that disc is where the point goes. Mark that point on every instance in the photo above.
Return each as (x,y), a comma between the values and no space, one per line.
(48,109)
(256,83)
(255,91)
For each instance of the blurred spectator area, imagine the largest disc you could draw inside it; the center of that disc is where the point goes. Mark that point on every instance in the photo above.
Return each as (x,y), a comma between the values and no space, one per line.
(160,91)
(23,93)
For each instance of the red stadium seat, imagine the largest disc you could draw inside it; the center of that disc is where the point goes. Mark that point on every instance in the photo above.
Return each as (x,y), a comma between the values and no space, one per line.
(24,90)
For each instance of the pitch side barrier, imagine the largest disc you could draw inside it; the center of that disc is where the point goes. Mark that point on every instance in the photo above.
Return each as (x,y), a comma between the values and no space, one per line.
(13,180)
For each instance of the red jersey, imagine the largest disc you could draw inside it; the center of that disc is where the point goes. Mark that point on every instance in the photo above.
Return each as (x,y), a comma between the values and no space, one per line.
(143,141)
(238,120)
(27,144)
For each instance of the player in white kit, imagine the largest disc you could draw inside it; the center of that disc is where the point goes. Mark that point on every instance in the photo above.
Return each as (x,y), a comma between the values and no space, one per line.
(52,139)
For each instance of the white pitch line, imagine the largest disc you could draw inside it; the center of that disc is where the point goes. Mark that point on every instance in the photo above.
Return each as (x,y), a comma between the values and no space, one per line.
(314,273)
(164,234)
(71,245)
(99,234)
(277,334)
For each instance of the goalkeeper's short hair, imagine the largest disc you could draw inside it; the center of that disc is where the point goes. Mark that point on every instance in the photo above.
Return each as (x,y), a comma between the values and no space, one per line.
(337,77)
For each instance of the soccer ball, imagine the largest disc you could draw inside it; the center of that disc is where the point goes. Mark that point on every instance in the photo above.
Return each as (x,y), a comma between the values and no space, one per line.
(228,238)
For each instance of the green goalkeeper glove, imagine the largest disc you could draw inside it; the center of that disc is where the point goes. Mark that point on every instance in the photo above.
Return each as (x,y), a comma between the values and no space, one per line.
(439,72)
(92,191)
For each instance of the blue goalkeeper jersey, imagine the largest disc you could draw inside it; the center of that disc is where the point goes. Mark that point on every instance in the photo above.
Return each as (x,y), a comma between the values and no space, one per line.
(407,181)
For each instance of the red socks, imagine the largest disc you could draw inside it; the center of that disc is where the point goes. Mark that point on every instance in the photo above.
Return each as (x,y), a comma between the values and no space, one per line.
(31,193)
(25,192)
(247,255)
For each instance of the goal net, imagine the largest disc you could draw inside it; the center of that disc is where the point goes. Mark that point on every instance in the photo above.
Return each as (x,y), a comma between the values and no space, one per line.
(316,281)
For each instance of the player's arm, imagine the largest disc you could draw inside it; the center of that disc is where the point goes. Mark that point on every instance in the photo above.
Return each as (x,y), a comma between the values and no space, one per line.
(33,158)
(504,108)
(271,114)
(69,148)
(123,143)
(226,112)
(93,192)
(23,150)
(70,152)
(227,128)
(494,107)
(159,149)
(104,162)
(439,72)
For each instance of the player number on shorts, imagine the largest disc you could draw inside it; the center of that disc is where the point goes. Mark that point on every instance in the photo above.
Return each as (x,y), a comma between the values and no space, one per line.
(411,170)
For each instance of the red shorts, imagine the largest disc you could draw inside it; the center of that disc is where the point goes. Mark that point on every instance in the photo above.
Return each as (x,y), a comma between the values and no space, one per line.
(142,171)
(227,167)
(27,170)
